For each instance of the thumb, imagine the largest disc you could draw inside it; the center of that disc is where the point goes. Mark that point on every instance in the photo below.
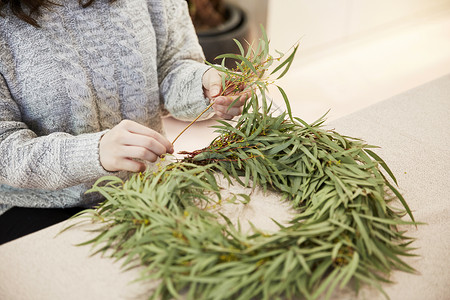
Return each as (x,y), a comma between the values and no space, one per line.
(212,81)
(215,90)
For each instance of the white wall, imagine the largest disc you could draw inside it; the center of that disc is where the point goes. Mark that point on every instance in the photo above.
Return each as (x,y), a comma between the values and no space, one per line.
(321,24)
(257,14)
(354,53)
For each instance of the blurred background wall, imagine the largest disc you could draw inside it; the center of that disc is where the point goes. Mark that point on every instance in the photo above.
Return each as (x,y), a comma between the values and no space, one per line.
(322,24)
(257,11)
(354,53)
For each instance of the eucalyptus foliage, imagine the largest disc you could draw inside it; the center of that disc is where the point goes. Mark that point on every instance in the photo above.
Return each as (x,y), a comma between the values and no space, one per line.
(344,229)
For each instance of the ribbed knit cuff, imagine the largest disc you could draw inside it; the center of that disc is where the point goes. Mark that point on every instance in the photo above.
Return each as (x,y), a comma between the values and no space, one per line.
(201,93)
(182,91)
(82,159)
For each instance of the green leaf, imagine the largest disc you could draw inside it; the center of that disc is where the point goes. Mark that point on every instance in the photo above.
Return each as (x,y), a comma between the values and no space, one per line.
(402,200)
(233,103)
(170,223)
(286,101)
(363,231)
(287,62)
(382,163)
(241,49)
(350,269)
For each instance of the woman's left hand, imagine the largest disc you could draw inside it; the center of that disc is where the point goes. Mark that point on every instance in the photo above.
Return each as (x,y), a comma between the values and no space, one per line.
(212,86)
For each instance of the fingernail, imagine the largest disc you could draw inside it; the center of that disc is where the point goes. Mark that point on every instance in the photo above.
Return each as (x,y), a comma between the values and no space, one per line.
(215,92)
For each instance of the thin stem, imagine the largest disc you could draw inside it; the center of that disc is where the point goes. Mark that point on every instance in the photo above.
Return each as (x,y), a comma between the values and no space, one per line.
(193,121)
(230,83)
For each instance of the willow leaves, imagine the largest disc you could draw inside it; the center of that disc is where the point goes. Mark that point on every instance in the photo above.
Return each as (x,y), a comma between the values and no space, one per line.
(344,228)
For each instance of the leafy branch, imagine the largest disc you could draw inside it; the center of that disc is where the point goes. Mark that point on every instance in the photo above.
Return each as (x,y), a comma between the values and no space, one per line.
(249,74)
(344,230)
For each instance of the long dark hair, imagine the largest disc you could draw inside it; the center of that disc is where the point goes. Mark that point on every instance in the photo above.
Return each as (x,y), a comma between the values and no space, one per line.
(33,7)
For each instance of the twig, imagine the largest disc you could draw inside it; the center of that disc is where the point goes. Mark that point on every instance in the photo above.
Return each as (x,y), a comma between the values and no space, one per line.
(193,121)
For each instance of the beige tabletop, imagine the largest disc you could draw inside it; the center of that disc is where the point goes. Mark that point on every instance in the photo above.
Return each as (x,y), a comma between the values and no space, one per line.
(413,130)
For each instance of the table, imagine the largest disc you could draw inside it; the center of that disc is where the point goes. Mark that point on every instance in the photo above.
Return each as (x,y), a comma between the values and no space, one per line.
(413,131)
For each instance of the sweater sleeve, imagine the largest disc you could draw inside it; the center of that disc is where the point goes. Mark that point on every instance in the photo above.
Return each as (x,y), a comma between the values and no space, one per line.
(54,161)
(180,60)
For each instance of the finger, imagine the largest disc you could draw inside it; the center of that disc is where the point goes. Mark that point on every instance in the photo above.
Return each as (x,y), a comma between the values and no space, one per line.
(130,165)
(137,128)
(213,82)
(140,153)
(246,95)
(215,89)
(234,111)
(143,141)
(226,101)
(224,115)
(242,98)
(213,77)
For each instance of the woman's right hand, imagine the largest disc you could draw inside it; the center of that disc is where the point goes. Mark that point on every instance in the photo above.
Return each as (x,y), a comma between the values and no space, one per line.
(129,140)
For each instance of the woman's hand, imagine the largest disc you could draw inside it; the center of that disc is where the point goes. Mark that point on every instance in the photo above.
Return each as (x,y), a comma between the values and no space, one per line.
(129,140)
(212,86)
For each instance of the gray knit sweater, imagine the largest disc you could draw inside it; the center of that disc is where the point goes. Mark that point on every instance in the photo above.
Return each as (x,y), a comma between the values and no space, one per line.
(81,73)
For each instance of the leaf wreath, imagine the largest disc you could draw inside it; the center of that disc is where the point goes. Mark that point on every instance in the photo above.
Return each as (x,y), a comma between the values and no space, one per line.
(344,229)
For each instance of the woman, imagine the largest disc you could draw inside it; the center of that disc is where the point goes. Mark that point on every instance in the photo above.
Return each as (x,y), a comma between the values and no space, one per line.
(83,88)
